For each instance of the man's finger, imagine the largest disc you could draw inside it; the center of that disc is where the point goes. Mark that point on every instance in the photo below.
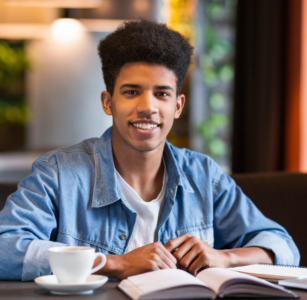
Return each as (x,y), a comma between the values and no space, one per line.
(169,256)
(171,245)
(183,249)
(169,261)
(189,258)
(162,265)
(198,264)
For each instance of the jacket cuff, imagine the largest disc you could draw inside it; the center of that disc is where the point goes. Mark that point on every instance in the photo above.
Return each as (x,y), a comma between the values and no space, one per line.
(36,260)
(271,241)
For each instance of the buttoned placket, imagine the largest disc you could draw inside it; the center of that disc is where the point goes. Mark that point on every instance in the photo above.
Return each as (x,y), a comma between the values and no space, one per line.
(127,215)
(125,226)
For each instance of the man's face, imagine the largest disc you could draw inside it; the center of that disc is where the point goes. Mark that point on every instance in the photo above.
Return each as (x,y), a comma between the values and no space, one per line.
(143,105)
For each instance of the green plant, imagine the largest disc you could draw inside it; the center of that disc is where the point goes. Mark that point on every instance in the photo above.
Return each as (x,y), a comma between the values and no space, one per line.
(13,113)
(13,64)
(217,71)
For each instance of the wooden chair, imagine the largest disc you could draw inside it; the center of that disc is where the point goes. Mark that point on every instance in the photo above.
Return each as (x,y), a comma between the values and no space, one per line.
(282,197)
(5,190)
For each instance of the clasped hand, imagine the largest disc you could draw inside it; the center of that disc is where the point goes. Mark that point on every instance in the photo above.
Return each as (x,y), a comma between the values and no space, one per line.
(193,255)
(185,252)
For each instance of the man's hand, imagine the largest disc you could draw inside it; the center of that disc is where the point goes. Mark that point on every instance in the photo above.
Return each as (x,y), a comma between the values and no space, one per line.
(193,255)
(141,260)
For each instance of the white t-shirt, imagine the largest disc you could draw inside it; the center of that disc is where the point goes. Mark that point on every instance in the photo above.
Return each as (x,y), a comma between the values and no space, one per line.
(147,213)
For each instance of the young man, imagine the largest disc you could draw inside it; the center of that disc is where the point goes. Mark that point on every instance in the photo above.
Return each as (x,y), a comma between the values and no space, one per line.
(130,194)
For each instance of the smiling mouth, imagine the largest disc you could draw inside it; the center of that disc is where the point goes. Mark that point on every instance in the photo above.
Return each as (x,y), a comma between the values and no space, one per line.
(145,126)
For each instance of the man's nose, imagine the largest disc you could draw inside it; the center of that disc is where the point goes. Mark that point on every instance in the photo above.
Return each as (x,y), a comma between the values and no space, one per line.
(147,105)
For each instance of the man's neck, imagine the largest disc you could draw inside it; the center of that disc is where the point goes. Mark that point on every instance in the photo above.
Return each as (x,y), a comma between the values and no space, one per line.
(142,170)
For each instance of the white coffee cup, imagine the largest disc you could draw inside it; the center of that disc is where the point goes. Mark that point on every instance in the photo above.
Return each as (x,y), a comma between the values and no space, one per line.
(73,265)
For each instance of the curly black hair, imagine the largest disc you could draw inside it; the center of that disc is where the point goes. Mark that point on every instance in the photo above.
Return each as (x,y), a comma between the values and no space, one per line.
(144,41)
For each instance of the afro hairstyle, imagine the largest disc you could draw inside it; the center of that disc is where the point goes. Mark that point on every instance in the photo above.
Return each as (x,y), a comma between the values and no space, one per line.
(144,41)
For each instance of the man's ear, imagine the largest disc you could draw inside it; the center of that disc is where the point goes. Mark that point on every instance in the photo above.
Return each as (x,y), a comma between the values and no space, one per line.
(106,102)
(179,105)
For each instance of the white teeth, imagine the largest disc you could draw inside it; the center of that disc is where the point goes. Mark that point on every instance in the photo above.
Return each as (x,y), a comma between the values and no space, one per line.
(145,125)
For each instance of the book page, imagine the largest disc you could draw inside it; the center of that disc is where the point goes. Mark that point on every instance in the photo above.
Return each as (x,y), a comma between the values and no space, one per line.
(271,271)
(295,283)
(217,277)
(163,279)
(214,278)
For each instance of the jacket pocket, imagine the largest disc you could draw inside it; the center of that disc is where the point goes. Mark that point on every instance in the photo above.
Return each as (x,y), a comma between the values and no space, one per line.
(72,239)
(204,233)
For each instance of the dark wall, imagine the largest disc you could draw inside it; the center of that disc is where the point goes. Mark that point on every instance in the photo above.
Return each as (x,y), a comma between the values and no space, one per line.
(260,86)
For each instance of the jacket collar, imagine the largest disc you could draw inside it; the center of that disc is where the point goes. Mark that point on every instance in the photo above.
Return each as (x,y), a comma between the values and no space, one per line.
(107,189)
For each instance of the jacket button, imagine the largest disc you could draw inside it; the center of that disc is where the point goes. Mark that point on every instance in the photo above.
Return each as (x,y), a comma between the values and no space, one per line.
(123,236)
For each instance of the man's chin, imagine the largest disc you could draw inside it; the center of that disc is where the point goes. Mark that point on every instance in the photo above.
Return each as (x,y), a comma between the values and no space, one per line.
(146,148)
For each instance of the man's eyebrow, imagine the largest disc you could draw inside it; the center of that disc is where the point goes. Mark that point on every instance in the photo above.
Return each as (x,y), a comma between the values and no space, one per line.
(137,86)
(130,85)
(164,87)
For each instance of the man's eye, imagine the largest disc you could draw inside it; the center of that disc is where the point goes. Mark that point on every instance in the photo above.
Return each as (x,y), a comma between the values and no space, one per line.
(131,92)
(162,94)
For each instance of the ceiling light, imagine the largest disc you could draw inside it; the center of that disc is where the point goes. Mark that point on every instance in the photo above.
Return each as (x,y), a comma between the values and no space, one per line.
(66,30)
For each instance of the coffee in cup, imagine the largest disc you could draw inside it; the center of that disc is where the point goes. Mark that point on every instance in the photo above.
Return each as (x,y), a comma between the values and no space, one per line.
(73,265)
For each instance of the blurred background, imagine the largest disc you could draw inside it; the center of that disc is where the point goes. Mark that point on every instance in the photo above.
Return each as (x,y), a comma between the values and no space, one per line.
(246,89)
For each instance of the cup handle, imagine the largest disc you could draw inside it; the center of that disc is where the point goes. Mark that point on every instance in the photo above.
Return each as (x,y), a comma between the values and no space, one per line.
(103,262)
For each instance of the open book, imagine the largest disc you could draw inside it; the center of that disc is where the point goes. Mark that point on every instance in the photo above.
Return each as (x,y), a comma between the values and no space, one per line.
(209,283)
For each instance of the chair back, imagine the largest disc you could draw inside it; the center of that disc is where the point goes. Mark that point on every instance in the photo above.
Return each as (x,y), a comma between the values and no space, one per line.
(282,197)
(5,190)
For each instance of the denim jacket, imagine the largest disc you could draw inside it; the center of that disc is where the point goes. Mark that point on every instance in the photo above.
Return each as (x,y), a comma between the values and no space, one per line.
(72,197)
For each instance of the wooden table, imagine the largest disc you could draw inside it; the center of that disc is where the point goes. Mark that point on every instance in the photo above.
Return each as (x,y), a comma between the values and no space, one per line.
(30,290)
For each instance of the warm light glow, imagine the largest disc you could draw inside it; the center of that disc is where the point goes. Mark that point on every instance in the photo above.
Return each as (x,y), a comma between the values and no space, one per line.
(101,25)
(141,5)
(55,3)
(296,134)
(303,108)
(26,31)
(22,31)
(67,30)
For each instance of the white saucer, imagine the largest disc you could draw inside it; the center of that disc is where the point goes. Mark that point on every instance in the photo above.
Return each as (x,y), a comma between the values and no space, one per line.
(51,284)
